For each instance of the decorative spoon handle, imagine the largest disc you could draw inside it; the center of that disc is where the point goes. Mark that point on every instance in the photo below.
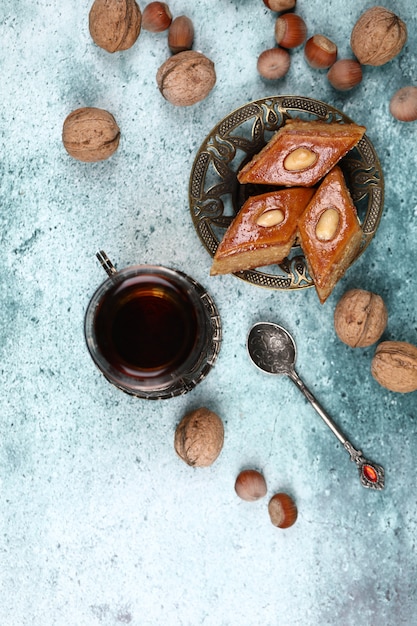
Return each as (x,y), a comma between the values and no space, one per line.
(323,414)
(371,475)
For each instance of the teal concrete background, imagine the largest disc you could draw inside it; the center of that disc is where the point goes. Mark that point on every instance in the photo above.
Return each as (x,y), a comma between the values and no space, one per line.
(101,523)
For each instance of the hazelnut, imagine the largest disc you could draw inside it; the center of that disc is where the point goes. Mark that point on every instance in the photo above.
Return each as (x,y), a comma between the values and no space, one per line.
(345,74)
(378,36)
(90,134)
(115,24)
(290,30)
(360,318)
(320,52)
(199,437)
(403,104)
(181,34)
(186,78)
(250,485)
(280,5)
(394,366)
(282,510)
(274,63)
(156,17)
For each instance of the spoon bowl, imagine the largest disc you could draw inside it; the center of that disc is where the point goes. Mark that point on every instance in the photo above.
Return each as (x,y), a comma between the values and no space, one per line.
(272,349)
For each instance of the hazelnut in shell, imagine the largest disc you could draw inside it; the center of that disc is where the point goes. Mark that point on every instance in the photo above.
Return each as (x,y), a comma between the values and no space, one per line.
(156,17)
(90,134)
(290,30)
(115,24)
(378,36)
(403,104)
(250,485)
(320,52)
(282,510)
(345,74)
(274,63)
(186,78)
(360,318)
(199,437)
(394,366)
(181,34)
(280,5)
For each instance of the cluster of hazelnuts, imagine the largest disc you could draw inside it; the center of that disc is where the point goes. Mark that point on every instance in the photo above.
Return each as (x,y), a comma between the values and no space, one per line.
(251,485)
(320,52)
(157,17)
(376,38)
(198,441)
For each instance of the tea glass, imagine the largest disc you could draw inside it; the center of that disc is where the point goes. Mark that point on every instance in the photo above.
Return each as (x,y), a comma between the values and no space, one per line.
(154,332)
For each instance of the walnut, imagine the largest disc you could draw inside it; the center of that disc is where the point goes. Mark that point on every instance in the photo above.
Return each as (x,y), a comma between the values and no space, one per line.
(360,318)
(199,437)
(378,36)
(394,366)
(115,24)
(90,134)
(186,78)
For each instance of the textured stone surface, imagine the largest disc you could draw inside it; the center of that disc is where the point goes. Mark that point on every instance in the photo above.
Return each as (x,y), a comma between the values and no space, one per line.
(101,522)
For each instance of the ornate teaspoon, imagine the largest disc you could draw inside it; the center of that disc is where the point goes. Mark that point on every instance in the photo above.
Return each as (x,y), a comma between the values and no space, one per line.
(273,350)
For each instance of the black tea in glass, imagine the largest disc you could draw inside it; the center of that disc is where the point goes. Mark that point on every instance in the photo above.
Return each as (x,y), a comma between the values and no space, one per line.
(153,331)
(146,326)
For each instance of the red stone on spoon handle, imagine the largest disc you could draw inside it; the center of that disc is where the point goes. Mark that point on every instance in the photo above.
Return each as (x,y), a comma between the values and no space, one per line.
(371,475)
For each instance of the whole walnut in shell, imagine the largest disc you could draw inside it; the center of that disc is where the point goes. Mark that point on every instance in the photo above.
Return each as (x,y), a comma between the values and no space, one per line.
(394,366)
(378,36)
(186,78)
(360,318)
(199,437)
(90,134)
(115,24)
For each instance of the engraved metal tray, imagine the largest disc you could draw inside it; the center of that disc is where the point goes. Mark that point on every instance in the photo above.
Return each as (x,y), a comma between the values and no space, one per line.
(216,196)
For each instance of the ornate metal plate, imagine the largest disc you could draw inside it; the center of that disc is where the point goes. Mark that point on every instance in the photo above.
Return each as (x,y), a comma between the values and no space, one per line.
(216,196)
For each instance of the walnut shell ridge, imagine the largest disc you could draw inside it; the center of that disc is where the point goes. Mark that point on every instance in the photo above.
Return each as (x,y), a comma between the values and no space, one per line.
(199,437)
(186,78)
(360,318)
(90,134)
(394,366)
(115,24)
(378,36)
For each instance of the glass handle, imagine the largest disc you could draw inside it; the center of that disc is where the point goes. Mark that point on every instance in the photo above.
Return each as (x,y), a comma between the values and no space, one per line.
(106,263)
